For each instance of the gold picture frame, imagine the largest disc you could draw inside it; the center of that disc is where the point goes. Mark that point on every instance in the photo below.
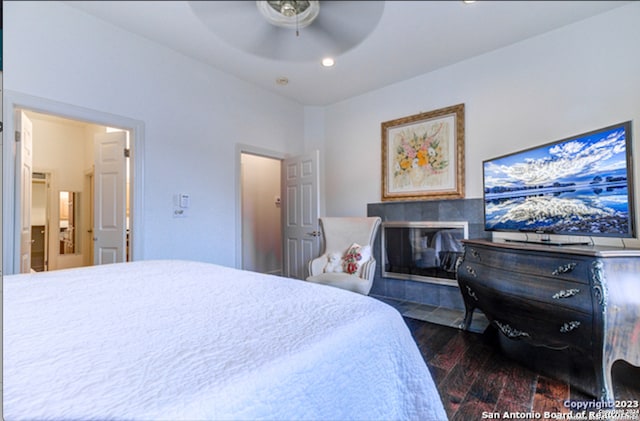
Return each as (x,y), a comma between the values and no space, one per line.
(423,156)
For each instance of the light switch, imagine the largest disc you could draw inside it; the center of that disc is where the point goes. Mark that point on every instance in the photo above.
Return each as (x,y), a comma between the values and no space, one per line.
(185,200)
(182,201)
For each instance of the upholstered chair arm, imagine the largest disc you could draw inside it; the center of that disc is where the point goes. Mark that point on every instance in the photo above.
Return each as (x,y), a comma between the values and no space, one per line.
(317,265)
(368,269)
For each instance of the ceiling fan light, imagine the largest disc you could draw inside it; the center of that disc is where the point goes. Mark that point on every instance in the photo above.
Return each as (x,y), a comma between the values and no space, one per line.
(290,14)
(328,62)
(288,8)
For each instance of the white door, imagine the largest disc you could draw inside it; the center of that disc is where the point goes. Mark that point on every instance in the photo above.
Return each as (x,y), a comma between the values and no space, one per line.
(301,198)
(109,230)
(24,169)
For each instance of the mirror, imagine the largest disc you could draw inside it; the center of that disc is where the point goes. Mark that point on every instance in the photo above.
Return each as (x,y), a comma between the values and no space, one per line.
(69,210)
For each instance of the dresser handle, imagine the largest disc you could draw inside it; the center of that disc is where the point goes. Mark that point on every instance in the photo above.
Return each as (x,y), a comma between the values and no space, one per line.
(475,254)
(471,293)
(564,269)
(565,293)
(568,327)
(472,271)
(511,332)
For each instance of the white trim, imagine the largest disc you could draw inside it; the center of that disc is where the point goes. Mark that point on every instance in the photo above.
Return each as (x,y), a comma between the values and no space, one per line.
(15,100)
(253,150)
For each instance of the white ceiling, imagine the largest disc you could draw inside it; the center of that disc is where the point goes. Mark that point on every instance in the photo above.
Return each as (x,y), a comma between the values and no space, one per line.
(411,38)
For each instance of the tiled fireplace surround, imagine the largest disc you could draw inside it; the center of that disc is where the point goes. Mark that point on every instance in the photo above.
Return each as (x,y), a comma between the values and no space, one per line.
(470,210)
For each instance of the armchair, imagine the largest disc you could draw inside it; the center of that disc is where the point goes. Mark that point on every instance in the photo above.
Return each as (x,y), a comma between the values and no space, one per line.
(347,261)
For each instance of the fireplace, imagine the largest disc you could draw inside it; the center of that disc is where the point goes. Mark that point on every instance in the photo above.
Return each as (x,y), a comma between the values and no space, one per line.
(434,289)
(423,251)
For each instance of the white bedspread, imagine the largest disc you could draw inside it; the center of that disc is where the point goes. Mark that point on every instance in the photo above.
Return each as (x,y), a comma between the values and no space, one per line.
(177,340)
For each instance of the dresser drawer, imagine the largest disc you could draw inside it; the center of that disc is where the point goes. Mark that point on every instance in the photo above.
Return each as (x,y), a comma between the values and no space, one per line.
(569,267)
(558,293)
(577,297)
(540,323)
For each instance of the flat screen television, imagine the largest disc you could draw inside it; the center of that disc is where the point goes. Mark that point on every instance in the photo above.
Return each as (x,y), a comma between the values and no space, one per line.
(578,186)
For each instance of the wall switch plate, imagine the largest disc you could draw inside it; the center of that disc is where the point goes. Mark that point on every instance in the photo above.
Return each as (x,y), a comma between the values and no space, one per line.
(184,200)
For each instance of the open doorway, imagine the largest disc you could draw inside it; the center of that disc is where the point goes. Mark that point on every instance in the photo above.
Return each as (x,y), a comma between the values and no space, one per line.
(295,196)
(40,210)
(261,213)
(12,228)
(62,203)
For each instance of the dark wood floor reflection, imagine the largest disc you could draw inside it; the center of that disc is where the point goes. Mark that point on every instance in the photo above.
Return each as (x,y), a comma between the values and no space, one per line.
(474,374)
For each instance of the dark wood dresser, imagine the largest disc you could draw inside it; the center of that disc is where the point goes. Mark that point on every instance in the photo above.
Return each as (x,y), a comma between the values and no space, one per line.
(586,298)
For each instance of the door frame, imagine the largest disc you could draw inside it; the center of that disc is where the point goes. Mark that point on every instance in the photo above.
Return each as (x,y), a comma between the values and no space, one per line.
(14,101)
(87,205)
(49,181)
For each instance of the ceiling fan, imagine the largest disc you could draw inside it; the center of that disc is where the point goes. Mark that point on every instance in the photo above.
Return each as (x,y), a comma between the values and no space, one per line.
(290,30)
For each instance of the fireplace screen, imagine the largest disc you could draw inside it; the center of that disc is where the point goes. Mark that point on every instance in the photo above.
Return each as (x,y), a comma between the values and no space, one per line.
(423,251)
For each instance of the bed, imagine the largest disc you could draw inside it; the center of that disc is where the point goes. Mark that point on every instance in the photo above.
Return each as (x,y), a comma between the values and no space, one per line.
(183,340)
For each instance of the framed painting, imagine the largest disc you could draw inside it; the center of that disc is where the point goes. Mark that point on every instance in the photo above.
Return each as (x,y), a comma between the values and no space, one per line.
(423,156)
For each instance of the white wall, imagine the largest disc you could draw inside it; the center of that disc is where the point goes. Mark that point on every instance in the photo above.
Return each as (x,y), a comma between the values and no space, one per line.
(572,80)
(61,147)
(314,139)
(38,203)
(193,117)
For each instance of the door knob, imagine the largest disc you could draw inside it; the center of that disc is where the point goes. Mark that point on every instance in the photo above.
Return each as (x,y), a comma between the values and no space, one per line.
(314,233)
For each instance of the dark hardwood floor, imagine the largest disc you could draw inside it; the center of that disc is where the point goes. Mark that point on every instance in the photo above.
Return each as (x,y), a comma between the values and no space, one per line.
(474,374)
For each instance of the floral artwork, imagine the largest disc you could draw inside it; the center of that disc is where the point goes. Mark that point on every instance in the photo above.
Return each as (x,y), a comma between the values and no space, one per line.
(423,155)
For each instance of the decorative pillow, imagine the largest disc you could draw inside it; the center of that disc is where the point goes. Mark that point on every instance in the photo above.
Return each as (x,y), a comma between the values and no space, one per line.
(334,263)
(355,256)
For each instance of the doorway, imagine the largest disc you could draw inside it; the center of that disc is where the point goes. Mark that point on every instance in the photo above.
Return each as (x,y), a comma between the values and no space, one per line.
(64,229)
(12,209)
(296,195)
(261,213)
(40,210)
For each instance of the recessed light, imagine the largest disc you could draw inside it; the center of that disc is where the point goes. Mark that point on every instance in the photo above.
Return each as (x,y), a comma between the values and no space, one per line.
(282,80)
(328,62)
(468,1)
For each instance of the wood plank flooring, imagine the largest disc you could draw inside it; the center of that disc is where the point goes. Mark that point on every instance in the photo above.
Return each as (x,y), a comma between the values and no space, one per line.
(474,375)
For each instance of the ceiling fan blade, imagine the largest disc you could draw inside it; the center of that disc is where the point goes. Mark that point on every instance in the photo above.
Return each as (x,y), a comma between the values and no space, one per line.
(339,26)
(345,24)
(266,41)
(232,21)
(218,12)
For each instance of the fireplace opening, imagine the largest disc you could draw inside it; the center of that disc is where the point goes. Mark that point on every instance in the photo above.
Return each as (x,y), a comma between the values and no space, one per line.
(425,251)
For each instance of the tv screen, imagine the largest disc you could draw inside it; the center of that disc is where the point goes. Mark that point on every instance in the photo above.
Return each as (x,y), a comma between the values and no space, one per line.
(580,185)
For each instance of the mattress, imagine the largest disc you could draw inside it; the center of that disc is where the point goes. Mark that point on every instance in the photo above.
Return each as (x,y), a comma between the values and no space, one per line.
(182,340)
